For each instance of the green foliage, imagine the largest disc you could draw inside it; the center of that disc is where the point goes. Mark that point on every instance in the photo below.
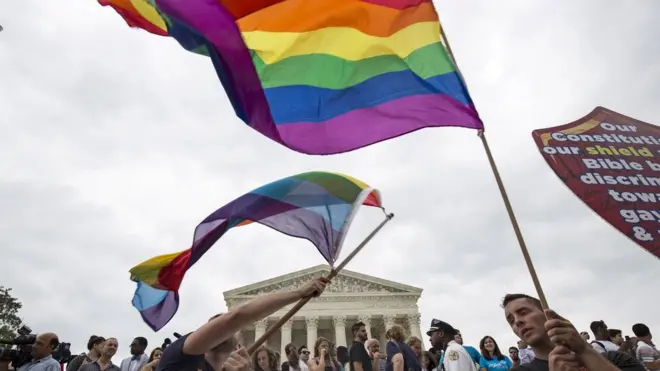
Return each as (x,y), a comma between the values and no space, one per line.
(9,319)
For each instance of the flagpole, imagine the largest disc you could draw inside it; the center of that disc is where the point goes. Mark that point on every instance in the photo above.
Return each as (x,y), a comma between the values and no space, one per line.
(500,185)
(333,273)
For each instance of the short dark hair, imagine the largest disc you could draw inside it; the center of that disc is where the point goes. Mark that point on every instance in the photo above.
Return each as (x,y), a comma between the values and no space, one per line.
(641,330)
(142,341)
(301,348)
(356,327)
(94,340)
(511,297)
(597,325)
(614,332)
(512,348)
(54,342)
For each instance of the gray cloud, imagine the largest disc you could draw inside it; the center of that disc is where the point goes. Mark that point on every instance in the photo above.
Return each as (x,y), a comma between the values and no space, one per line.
(116,143)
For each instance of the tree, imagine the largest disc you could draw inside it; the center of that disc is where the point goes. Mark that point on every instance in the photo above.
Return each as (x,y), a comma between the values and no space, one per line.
(9,319)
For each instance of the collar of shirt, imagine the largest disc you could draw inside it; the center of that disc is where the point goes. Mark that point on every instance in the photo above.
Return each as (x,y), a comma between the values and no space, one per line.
(44,359)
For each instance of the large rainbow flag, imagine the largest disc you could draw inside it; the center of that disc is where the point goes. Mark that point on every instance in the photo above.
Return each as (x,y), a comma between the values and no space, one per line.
(316,206)
(320,76)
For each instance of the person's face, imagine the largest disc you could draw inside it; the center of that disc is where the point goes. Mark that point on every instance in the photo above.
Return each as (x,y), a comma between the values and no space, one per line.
(458,338)
(526,320)
(291,352)
(374,348)
(325,346)
(158,353)
(262,360)
(98,348)
(362,333)
(41,347)
(585,336)
(136,348)
(489,345)
(304,354)
(522,344)
(513,354)
(436,339)
(417,348)
(110,347)
(618,339)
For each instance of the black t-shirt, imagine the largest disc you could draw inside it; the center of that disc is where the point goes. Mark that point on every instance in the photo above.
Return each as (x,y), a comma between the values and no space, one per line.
(358,353)
(173,359)
(621,360)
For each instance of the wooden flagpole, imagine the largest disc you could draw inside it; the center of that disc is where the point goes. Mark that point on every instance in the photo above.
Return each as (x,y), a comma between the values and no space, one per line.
(333,273)
(500,185)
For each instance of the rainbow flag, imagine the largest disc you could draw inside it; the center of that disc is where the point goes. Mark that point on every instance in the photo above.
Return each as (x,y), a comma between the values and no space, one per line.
(323,76)
(316,206)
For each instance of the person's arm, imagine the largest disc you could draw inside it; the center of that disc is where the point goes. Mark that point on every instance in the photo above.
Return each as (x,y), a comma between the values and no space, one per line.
(483,366)
(397,362)
(222,328)
(151,366)
(355,357)
(311,364)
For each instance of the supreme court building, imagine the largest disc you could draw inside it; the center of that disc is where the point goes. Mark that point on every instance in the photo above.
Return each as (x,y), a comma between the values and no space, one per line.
(350,297)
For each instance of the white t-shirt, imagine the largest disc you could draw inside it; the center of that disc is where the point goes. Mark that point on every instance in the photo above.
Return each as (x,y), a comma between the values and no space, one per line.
(607,346)
(457,358)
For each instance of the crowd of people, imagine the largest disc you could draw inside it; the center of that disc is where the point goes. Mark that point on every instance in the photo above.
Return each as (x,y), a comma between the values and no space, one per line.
(548,342)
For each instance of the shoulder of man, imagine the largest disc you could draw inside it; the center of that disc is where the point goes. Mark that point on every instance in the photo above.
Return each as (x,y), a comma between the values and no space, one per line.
(174,358)
(624,361)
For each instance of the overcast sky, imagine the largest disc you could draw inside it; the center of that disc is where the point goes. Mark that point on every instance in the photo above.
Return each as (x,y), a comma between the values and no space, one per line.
(116,143)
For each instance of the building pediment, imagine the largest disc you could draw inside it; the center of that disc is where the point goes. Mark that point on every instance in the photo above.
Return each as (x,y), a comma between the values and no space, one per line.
(346,283)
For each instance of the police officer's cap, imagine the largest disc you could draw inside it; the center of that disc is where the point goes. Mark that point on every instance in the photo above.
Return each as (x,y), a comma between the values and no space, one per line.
(437,325)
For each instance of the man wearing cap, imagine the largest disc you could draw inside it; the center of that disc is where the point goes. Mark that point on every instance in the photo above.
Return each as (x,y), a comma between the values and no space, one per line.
(455,358)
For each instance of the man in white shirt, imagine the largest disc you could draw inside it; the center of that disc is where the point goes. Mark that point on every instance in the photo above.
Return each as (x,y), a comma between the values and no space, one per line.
(525,353)
(138,357)
(646,352)
(602,344)
(456,358)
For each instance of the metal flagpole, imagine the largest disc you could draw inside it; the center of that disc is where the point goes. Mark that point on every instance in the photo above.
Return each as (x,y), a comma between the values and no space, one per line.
(333,273)
(500,185)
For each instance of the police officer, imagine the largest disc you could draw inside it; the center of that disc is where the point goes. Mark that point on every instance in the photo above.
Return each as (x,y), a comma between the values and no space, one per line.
(456,358)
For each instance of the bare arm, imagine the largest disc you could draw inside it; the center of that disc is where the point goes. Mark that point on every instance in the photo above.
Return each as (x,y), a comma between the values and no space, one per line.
(311,365)
(222,328)
(397,362)
(357,366)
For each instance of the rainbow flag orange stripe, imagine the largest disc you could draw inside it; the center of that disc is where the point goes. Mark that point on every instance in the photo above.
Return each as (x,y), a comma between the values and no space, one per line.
(324,76)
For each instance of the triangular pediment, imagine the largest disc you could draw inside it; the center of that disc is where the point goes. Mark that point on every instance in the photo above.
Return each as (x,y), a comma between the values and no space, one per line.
(346,283)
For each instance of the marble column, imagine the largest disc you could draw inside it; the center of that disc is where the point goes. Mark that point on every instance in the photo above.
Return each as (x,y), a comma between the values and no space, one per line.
(286,339)
(389,321)
(340,330)
(414,321)
(260,328)
(312,332)
(366,319)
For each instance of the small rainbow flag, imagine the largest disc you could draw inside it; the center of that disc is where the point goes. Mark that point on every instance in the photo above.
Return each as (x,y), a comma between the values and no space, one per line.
(316,206)
(321,76)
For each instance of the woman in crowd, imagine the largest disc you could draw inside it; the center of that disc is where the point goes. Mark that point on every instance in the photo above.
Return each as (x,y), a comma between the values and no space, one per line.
(492,358)
(325,357)
(264,359)
(416,345)
(154,358)
(428,361)
(400,356)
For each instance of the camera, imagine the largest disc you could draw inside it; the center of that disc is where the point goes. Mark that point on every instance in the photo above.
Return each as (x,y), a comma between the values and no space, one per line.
(23,343)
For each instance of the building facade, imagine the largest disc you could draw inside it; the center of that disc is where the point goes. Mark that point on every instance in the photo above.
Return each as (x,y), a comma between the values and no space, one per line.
(349,298)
